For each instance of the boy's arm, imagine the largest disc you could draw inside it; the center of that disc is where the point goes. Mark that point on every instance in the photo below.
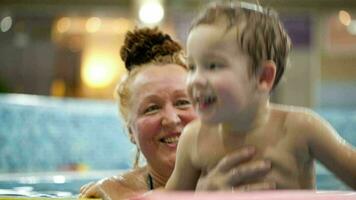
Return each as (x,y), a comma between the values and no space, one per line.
(185,175)
(331,150)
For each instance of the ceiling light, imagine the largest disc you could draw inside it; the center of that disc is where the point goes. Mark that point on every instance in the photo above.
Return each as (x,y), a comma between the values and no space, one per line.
(344,17)
(151,12)
(6,24)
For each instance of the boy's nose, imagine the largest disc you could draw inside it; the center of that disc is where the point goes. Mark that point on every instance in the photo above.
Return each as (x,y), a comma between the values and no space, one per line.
(197,79)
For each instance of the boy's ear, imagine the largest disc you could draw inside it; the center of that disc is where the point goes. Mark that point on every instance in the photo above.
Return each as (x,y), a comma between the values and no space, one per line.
(267,75)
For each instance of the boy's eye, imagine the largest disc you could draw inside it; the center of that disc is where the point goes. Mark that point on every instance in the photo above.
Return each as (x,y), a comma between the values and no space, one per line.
(183,103)
(151,109)
(213,66)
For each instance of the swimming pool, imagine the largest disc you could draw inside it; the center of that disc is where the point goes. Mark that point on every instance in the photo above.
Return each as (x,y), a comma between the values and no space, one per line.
(67,184)
(43,140)
(53,184)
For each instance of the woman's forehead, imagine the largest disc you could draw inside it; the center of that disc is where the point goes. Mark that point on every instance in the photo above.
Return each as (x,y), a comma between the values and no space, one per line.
(160,73)
(159,78)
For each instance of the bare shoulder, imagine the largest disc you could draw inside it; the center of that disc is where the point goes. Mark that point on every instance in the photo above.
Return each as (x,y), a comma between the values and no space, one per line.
(193,126)
(191,130)
(197,130)
(297,117)
(303,121)
(132,180)
(122,186)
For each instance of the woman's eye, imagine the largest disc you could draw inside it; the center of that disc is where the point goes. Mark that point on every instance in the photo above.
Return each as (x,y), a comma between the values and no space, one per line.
(151,109)
(183,103)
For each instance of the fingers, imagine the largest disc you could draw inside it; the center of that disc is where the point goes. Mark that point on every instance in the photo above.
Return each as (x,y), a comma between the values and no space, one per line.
(236,158)
(92,192)
(249,171)
(89,190)
(86,187)
(236,171)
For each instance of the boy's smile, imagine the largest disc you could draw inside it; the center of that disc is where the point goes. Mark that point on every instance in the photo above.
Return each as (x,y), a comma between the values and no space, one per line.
(219,82)
(203,100)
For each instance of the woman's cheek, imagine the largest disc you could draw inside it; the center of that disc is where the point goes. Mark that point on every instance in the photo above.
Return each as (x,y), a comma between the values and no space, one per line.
(147,129)
(189,116)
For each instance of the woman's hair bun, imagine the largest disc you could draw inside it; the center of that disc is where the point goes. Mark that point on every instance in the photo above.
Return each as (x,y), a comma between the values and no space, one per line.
(143,45)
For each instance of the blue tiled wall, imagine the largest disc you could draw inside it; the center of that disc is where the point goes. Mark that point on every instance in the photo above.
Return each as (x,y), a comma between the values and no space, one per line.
(47,134)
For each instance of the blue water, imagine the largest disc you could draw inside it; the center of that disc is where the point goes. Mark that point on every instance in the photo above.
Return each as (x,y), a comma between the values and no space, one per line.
(44,189)
(71,188)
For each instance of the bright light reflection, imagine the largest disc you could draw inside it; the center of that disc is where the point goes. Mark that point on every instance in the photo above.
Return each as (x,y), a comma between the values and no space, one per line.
(344,17)
(98,72)
(352,27)
(29,180)
(151,12)
(93,24)
(23,189)
(63,24)
(6,24)
(59,179)
(120,26)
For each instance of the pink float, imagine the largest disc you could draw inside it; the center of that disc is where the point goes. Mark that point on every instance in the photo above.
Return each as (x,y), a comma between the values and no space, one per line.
(266,195)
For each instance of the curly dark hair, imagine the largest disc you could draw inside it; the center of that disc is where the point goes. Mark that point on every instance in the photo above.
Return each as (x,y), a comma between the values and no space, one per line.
(144,45)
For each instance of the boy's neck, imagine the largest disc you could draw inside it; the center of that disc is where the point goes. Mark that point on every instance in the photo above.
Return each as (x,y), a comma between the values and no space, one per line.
(249,121)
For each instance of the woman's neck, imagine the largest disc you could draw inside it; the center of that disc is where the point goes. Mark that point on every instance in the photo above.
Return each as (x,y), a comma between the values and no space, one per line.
(157,178)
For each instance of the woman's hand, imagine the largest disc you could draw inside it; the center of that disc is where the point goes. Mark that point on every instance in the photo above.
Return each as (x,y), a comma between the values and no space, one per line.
(232,172)
(96,189)
(106,189)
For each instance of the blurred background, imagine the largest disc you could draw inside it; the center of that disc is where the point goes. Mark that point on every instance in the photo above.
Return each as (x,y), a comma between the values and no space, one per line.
(60,63)
(70,48)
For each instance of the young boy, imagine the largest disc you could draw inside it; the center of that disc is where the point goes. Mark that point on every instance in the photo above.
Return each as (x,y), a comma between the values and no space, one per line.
(237,55)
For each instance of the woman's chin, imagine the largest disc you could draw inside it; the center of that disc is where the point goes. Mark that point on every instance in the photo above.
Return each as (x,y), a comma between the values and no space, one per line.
(171,159)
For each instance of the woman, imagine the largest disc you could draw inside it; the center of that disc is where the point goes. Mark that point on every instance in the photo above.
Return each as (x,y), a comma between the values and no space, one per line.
(154,103)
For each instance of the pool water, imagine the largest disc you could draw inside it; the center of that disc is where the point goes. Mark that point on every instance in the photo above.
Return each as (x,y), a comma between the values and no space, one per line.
(88,133)
(68,185)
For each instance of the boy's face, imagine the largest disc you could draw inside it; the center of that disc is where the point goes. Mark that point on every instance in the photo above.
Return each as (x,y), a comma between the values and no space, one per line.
(218,81)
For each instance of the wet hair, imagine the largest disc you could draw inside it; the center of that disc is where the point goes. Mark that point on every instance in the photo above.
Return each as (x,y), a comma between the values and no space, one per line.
(260,33)
(144,47)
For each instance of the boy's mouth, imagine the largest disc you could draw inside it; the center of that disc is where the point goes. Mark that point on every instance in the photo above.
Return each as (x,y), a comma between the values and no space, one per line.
(203,98)
(205,101)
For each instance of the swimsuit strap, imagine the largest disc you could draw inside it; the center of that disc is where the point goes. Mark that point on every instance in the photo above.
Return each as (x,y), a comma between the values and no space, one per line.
(150,182)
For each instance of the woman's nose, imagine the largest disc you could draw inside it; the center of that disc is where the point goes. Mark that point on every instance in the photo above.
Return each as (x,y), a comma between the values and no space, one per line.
(170,116)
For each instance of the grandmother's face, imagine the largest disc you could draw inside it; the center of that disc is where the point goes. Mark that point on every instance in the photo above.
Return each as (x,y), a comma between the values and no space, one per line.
(160,109)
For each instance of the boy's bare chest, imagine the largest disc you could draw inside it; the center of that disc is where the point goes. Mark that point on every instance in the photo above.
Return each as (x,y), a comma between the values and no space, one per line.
(213,148)
(284,149)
